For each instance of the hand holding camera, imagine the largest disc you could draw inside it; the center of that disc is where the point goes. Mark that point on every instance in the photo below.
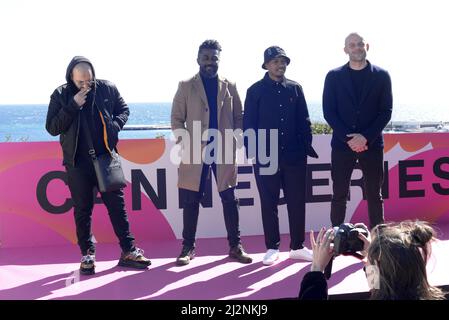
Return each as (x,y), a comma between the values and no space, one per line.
(322,249)
(348,239)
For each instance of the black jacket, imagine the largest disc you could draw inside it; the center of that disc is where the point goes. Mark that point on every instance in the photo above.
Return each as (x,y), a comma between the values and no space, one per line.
(313,286)
(63,116)
(368,117)
(281,106)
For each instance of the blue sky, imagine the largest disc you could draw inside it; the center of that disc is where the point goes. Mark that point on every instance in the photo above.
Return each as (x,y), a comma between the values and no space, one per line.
(146,47)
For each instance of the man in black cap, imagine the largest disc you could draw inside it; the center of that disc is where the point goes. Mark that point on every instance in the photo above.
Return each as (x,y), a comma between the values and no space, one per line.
(276,104)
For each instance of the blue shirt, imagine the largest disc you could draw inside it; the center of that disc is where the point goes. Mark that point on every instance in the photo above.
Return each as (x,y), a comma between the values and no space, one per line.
(211,89)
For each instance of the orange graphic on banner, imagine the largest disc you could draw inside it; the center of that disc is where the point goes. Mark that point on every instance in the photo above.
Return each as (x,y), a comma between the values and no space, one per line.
(142,151)
(412,142)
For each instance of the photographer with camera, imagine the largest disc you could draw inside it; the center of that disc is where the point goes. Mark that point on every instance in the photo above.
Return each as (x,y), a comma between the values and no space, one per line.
(395,257)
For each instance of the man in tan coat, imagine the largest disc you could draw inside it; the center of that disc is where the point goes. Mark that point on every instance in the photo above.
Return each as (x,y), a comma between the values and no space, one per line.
(206,110)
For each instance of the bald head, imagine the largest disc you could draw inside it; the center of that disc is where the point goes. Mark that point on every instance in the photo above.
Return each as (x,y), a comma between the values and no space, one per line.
(353,37)
(82,75)
(82,67)
(356,49)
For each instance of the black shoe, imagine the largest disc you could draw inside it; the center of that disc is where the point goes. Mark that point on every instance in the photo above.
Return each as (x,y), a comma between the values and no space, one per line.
(239,254)
(87,266)
(187,254)
(134,259)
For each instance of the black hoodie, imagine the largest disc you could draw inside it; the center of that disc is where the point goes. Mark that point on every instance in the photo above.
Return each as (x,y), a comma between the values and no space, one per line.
(106,107)
(90,116)
(72,64)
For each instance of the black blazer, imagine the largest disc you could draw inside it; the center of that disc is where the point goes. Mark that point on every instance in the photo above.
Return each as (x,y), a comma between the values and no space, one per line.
(345,116)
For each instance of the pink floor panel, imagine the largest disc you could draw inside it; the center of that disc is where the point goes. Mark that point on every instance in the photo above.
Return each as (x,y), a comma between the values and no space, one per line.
(51,273)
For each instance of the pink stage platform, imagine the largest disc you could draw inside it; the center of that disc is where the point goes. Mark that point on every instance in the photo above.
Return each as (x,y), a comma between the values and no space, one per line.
(47,273)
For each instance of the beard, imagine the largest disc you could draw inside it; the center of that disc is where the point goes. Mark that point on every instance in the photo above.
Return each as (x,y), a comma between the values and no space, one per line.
(358,57)
(209,71)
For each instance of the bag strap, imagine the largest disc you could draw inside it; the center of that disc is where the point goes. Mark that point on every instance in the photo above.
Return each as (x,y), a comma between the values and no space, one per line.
(88,136)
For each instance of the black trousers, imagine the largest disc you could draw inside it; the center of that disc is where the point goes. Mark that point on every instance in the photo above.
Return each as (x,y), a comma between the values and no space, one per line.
(191,204)
(81,182)
(292,179)
(371,164)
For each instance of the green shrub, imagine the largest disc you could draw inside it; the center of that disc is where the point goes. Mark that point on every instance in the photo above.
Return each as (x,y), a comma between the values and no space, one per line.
(321,128)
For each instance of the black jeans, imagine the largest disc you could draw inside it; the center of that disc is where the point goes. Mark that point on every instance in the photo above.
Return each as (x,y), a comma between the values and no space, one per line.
(81,182)
(191,204)
(371,164)
(292,179)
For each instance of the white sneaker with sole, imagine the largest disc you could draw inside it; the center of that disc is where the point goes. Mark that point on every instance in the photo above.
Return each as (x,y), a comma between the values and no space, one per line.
(301,254)
(270,257)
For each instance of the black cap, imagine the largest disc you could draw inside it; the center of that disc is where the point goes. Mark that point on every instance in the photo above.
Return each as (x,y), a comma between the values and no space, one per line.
(272,53)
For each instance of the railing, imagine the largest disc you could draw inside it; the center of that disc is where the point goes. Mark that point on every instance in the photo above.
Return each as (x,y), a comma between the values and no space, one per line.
(393,126)
(417,126)
(146,127)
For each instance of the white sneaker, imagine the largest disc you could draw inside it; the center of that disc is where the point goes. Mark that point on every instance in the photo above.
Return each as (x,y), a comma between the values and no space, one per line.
(270,257)
(301,254)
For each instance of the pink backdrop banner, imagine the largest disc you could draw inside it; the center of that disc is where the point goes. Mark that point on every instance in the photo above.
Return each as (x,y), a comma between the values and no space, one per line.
(25,219)
(36,209)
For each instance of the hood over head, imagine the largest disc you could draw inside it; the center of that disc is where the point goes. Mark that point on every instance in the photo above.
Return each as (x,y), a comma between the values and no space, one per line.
(72,64)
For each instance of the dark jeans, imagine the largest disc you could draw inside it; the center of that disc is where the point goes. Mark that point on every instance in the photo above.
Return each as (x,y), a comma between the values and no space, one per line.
(292,179)
(371,164)
(81,182)
(191,204)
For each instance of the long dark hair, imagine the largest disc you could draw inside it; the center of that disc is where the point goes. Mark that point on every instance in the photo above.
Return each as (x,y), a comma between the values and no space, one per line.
(400,251)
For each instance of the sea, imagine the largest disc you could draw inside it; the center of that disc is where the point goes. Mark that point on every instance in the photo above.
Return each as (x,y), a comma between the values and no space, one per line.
(27,122)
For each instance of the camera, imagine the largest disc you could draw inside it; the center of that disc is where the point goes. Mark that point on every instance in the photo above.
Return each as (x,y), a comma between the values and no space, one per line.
(346,240)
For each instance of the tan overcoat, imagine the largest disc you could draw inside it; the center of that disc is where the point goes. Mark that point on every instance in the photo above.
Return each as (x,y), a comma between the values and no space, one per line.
(190,109)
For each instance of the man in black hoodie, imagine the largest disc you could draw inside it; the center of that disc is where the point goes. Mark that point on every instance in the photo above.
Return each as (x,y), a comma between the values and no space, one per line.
(97,104)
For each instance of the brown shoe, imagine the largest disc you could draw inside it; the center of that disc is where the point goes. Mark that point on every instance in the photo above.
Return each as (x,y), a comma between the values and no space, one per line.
(239,254)
(134,259)
(187,254)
